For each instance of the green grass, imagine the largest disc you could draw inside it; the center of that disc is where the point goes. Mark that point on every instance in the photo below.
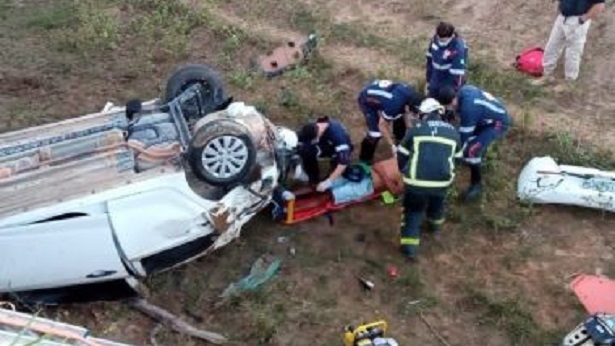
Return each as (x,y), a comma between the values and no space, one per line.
(510,316)
(62,14)
(499,211)
(93,29)
(168,27)
(483,71)
(354,33)
(507,84)
(242,78)
(153,30)
(165,25)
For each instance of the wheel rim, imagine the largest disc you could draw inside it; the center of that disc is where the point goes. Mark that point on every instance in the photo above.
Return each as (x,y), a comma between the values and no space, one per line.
(224,156)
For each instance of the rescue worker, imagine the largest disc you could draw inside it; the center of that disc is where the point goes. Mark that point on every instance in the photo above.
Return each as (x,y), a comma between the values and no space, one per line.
(446,60)
(386,106)
(426,159)
(291,168)
(483,119)
(324,138)
(569,33)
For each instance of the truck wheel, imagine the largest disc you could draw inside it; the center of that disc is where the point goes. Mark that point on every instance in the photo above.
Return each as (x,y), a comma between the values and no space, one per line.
(222,153)
(212,88)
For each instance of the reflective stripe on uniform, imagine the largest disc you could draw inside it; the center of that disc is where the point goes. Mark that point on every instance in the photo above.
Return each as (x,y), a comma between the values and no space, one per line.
(441,67)
(489,105)
(436,222)
(342,147)
(410,241)
(473,160)
(411,178)
(374,134)
(382,93)
(467,129)
(458,72)
(403,150)
(390,117)
(428,183)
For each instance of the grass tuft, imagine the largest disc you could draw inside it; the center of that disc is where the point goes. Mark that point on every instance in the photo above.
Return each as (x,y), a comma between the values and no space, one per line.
(508,315)
(95,29)
(61,15)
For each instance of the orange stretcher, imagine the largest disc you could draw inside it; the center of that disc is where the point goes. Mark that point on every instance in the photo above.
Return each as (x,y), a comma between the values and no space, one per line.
(309,204)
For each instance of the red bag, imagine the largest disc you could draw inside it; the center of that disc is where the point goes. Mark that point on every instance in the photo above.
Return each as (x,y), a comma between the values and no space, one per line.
(530,61)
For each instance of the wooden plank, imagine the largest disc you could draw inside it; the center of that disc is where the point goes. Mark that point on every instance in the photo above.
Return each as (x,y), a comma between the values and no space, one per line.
(27,318)
(103,342)
(14,339)
(44,332)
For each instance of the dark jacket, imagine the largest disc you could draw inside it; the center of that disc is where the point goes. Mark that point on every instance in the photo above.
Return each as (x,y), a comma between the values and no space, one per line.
(389,98)
(426,155)
(335,143)
(477,109)
(576,7)
(446,65)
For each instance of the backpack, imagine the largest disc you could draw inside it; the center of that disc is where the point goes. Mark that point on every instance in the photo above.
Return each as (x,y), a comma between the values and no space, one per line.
(530,61)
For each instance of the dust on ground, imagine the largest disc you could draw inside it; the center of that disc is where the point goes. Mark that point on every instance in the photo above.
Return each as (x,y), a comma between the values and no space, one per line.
(498,276)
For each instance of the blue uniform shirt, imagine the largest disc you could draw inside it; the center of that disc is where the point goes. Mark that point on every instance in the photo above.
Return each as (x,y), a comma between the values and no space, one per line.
(335,142)
(389,98)
(478,108)
(446,65)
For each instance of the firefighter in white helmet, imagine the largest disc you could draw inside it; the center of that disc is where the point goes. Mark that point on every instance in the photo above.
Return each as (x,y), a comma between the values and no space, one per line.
(426,159)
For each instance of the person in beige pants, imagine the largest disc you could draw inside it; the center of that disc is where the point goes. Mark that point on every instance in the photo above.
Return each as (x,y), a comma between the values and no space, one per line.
(569,33)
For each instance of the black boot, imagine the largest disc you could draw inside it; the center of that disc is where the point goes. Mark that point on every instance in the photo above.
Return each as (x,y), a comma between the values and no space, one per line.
(472,192)
(476,186)
(409,252)
(368,149)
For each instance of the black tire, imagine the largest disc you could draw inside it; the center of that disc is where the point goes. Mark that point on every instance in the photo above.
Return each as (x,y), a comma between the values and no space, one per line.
(207,142)
(212,88)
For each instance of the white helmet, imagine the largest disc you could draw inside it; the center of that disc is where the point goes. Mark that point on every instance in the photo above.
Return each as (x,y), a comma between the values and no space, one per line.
(289,138)
(430,105)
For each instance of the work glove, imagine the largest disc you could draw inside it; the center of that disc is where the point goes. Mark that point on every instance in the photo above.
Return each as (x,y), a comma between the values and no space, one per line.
(300,175)
(459,155)
(323,185)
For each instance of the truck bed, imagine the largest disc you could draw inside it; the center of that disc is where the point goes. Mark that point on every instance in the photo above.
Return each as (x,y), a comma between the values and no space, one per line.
(56,162)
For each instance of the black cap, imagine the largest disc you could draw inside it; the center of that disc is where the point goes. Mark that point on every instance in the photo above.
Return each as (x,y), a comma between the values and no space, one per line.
(446,95)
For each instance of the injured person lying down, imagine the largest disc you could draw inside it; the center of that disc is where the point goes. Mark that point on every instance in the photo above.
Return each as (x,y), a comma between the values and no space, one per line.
(296,202)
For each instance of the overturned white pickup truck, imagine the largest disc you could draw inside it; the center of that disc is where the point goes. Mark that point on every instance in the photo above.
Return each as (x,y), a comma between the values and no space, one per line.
(91,204)
(543,181)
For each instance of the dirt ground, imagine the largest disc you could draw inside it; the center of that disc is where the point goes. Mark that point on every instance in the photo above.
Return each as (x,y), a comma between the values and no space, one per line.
(499,274)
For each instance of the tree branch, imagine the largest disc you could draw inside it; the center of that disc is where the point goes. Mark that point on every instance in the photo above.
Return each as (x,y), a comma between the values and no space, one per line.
(174,322)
